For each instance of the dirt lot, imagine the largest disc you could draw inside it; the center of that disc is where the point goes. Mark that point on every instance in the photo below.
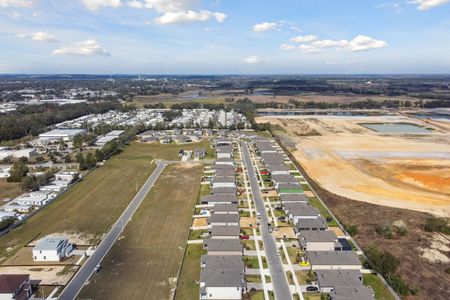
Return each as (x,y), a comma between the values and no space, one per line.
(44,275)
(9,190)
(144,262)
(198,222)
(404,171)
(427,275)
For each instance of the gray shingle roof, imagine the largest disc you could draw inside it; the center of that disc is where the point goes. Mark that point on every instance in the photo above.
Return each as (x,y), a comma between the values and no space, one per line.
(226,208)
(224,191)
(352,293)
(219,198)
(224,218)
(336,258)
(300,209)
(225,230)
(222,262)
(333,278)
(222,245)
(49,243)
(317,236)
(222,277)
(293,198)
(311,224)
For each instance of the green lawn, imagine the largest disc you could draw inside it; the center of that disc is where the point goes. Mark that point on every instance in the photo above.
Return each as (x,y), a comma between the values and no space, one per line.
(323,211)
(305,187)
(381,292)
(196,234)
(190,272)
(249,244)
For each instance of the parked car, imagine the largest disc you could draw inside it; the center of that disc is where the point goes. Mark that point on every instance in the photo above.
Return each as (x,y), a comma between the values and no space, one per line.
(244,237)
(282,218)
(311,288)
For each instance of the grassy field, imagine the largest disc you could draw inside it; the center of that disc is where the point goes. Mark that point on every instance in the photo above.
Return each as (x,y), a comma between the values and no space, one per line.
(190,272)
(144,262)
(381,292)
(9,189)
(168,100)
(91,206)
(323,211)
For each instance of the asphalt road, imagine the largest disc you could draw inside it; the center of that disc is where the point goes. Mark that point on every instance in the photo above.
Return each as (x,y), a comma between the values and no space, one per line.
(279,280)
(84,273)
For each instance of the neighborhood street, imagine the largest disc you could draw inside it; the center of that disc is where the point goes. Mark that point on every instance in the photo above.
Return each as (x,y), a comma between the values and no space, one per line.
(84,273)
(279,280)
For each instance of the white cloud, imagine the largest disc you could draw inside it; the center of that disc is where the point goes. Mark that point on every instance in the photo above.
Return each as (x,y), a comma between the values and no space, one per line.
(253,60)
(177,11)
(261,27)
(189,17)
(326,43)
(39,36)
(358,43)
(287,47)
(304,38)
(427,4)
(84,48)
(17,3)
(97,4)
(362,43)
(15,15)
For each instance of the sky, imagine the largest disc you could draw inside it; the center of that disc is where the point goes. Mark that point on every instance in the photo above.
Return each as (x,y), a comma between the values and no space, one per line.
(225,36)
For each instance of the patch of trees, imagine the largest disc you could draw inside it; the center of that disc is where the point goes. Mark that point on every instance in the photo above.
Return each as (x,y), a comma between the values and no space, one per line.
(155,106)
(5,223)
(32,183)
(34,119)
(89,160)
(172,114)
(387,264)
(198,105)
(18,171)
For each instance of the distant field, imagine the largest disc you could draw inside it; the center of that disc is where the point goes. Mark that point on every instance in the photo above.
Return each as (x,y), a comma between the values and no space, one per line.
(169,100)
(144,262)
(9,189)
(93,205)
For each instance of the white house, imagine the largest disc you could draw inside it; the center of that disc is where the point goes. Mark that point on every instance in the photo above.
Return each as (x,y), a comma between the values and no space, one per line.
(27,152)
(333,260)
(34,198)
(17,208)
(52,249)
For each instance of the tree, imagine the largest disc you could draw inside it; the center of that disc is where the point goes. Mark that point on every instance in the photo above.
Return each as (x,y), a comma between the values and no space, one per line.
(18,171)
(29,183)
(78,141)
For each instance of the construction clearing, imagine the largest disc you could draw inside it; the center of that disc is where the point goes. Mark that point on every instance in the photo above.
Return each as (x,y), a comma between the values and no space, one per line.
(408,169)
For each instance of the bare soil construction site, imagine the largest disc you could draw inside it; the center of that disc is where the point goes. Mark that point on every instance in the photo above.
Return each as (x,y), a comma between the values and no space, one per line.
(398,168)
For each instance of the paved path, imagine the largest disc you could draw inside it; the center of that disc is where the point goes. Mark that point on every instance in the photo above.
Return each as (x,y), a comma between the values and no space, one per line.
(279,280)
(76,284)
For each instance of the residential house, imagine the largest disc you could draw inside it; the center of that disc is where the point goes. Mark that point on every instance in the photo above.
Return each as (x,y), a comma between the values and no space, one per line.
(218,284)
(52,249)
(223,220)
(225,161)
(220,199)
(225,209)
(224,232)
(224,191)
(219,181)
(292,198)
(317,240)
(297,211)
(223,246)
(15,286)
(333,260)
(317,224)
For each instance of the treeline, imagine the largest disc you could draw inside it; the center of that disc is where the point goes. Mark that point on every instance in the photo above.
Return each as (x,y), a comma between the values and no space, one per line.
(89,160)
(34,119)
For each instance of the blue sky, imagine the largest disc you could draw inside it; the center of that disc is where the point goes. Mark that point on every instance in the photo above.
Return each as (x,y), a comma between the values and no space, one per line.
(225,36)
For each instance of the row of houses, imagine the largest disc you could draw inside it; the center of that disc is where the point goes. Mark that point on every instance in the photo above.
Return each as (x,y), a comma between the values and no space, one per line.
(25,203)
(222,268)
(336,266)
